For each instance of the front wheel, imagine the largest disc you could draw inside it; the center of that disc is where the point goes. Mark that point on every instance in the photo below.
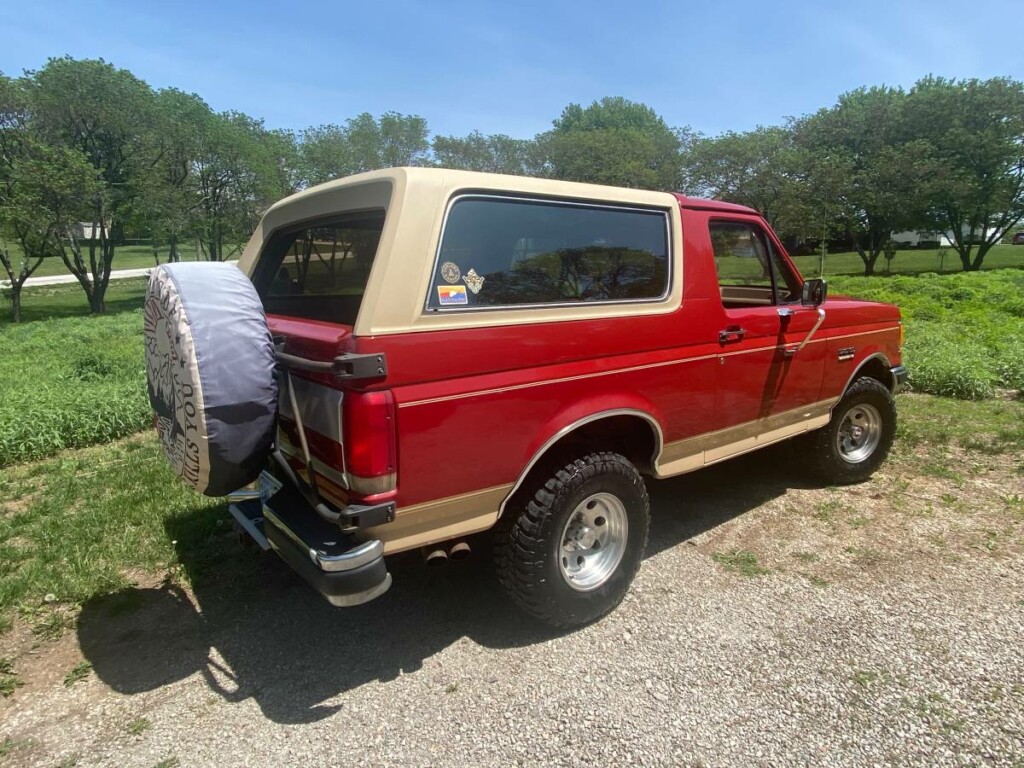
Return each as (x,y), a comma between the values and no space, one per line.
(569,557)
(857,440)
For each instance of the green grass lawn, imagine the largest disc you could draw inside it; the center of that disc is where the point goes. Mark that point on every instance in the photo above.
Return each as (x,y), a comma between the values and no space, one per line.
(74,525)
(70,382)
(45,302)
(907,262)
(965,332)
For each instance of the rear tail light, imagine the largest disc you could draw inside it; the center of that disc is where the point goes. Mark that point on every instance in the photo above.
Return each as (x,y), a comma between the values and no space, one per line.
(368,425)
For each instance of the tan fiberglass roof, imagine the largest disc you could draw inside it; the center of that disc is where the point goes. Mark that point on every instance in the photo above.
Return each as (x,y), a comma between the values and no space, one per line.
(415,199)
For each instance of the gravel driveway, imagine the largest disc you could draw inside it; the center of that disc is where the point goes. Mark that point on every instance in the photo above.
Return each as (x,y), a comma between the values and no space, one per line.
(911,657)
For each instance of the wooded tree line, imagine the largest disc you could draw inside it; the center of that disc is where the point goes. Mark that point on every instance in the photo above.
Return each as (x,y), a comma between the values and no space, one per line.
(82,142)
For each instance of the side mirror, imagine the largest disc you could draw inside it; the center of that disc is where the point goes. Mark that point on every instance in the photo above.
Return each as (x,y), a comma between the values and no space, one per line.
(814,292)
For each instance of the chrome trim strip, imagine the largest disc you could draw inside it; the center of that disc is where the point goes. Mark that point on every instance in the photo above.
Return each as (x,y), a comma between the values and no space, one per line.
(356,557)
(865,361)
(666,214)
(659,442)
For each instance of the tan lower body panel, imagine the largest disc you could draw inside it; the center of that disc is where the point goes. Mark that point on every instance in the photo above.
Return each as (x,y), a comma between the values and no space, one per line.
(696,452)
(440,520)
(457,516)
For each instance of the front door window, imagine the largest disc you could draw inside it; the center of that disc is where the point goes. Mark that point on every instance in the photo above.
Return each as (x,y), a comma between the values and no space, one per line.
(750,272)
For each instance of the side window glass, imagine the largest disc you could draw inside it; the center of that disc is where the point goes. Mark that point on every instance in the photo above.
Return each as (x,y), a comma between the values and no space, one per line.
(740,255)
(750,272)
(499,252)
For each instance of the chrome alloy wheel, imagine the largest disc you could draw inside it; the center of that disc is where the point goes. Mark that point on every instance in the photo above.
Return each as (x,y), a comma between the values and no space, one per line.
(593,541)
(859,433)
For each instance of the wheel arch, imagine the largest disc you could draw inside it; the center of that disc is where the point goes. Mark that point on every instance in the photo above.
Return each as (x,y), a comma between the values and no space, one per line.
(638,428)
(874,366)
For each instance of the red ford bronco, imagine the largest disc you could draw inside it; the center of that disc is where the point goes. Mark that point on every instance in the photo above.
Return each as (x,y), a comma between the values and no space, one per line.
(446,353)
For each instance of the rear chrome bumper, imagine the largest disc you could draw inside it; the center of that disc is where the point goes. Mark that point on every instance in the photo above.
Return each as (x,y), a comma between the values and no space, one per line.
(344,571)
(899,377)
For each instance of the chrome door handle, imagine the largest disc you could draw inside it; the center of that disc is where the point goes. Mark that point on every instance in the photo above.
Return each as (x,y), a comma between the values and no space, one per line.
(732,333)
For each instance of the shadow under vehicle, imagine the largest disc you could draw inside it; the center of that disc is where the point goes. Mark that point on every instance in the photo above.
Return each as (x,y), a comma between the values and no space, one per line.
(252,629)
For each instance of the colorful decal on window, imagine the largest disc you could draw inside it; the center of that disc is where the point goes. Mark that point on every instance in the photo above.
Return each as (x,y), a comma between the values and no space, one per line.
(452,294)
(450,272)
(474,281)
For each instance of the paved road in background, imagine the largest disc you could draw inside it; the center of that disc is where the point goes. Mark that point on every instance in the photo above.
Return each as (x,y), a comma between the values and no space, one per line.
(117,274)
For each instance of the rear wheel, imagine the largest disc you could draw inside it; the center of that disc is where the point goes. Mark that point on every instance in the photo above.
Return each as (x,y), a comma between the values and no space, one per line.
(857,440)
(569,556)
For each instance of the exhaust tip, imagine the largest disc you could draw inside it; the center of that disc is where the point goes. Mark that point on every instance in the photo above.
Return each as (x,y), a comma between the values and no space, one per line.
(460,551)
(435,557)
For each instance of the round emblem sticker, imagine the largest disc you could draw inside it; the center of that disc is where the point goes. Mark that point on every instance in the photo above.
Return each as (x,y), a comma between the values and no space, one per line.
(450,272)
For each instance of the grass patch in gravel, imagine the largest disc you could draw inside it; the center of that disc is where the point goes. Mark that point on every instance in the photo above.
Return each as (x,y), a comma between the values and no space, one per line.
(138,726)
(741,562)
(992,427)
(9,680)
(78,673)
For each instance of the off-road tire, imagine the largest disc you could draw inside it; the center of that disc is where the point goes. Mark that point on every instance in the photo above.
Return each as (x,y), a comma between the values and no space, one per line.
(528,543)
(827,460)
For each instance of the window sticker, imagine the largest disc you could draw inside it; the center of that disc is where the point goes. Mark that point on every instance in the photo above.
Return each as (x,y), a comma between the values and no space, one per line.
(474,281)
(448,295)
(450,272)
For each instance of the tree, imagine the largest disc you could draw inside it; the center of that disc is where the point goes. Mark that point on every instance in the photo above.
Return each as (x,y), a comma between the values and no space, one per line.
(41,189)
(615,141)
(363,144)
(237,175)
(885,173)
(496,153)
(975,132)
(760,169)
(108,116)
(168,204)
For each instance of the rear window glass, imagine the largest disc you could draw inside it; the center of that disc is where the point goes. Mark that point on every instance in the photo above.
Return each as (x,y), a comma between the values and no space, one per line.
(319,271)
(502,252)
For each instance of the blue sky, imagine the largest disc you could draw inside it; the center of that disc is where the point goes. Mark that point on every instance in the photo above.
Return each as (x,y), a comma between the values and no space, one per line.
(511,67)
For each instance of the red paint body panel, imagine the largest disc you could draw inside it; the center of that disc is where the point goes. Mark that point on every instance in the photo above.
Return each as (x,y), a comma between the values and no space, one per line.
(473,406)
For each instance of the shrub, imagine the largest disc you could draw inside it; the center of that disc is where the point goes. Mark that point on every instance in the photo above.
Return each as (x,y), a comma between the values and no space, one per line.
(69,383)
(965,332)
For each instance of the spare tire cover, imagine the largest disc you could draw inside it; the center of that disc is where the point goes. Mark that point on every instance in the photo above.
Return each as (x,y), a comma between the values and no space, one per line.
(210,371)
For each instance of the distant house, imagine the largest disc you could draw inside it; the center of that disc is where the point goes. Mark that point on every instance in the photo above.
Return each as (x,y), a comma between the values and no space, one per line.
(87,231)
(924,239)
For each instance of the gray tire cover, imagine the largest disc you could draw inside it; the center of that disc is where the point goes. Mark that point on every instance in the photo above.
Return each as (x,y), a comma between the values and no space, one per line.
(210,373)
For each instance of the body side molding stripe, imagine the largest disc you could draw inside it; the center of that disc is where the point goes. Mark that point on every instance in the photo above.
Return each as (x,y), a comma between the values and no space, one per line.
(631,369)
